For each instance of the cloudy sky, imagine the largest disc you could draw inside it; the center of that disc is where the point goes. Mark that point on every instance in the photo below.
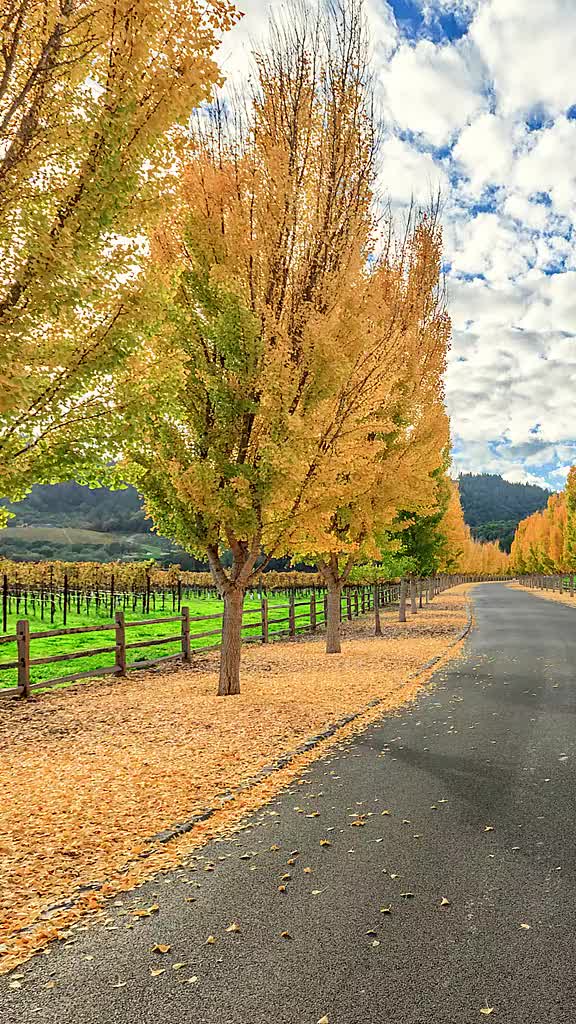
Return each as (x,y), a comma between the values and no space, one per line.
(479,97)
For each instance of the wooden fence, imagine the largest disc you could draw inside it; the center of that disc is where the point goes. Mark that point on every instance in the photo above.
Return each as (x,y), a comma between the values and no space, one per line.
(267,622)
(260,625)
(562,583)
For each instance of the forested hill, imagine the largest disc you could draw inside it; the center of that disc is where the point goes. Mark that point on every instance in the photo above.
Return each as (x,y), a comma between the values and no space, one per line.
(74,523)
(493,507)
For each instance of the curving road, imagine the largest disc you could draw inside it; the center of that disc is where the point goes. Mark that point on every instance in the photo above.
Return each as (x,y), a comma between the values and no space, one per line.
(479,778)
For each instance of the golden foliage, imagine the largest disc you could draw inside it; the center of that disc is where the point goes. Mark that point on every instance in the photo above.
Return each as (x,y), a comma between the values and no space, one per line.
(94,97)
(464,554)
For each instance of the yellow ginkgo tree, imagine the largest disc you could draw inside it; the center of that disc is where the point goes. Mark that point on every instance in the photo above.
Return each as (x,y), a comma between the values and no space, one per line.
(94,99)
(279,378)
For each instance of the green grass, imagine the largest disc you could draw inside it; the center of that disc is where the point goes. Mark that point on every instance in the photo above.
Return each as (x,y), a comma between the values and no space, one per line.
(199,606)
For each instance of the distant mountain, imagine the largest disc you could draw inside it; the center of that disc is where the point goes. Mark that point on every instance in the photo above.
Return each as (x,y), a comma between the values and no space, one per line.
(493,507)
(74,523)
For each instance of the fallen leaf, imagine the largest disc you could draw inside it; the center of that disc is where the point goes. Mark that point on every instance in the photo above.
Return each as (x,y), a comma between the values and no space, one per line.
(178,967)
(375,942)
(526,927)
(210,940)
(316,892)
(325,842)
(407,895)
(488,828)
(285,935)
(160,947)
(157,971)
(444,902)
(486,1010)
(192,980)
(119,984)
(323,1020)
(233,927)
(386,910)
(274,847)
(307,871)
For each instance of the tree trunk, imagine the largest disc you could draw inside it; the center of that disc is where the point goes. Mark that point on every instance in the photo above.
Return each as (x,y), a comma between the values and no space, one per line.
(402,611)
(229,682)
(413,605)
(333,618)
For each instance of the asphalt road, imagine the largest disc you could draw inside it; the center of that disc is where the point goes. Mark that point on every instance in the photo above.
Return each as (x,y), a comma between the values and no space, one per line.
(479,779)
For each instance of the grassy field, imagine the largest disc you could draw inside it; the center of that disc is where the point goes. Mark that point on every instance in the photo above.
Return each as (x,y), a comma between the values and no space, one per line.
(199,606)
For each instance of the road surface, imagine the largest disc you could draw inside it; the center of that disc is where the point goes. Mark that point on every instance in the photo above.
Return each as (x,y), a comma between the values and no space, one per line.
(479,781)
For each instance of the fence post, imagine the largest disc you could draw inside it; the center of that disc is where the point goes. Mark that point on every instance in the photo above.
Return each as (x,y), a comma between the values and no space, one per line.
(23,644)
(378,624)
(5,603)
(348,604)
(313,612)
(356,613)
(120,661)
(186,650)
(264,615)
(325,603)
(291,615)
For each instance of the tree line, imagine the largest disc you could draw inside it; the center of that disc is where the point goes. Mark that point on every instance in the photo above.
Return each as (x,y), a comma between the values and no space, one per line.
(214,304)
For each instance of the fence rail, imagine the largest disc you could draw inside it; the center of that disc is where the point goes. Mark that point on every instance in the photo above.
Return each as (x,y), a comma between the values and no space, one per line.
(355,601)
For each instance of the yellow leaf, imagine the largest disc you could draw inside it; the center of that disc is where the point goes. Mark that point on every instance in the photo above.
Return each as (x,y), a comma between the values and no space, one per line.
(385,812)
(323,1020)
(281,888)
(210,940)
(444,902)
(160,947)
(386,910)
(178,967)
(526,927)
(159,970)
(325,842)
(285,935)
(487,1010)
(233,927)
(488,828)
(307,871)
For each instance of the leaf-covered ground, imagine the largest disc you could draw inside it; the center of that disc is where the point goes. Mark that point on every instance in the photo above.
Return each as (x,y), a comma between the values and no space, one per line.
(89,775)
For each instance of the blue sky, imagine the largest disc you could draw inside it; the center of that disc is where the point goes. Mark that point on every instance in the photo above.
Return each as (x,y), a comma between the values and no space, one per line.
(478,97)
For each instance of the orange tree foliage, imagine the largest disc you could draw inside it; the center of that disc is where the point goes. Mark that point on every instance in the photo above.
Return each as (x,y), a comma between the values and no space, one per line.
(399,424)
(94,96)
(545,542)
(462,553)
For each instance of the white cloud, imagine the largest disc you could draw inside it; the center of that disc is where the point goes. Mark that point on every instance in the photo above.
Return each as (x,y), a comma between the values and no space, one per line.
(485,151)
(529,50)
(432,90)
(406,173)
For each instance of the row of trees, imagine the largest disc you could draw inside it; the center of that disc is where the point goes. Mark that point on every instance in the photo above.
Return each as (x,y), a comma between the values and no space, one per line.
(545,542)
(264,360)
